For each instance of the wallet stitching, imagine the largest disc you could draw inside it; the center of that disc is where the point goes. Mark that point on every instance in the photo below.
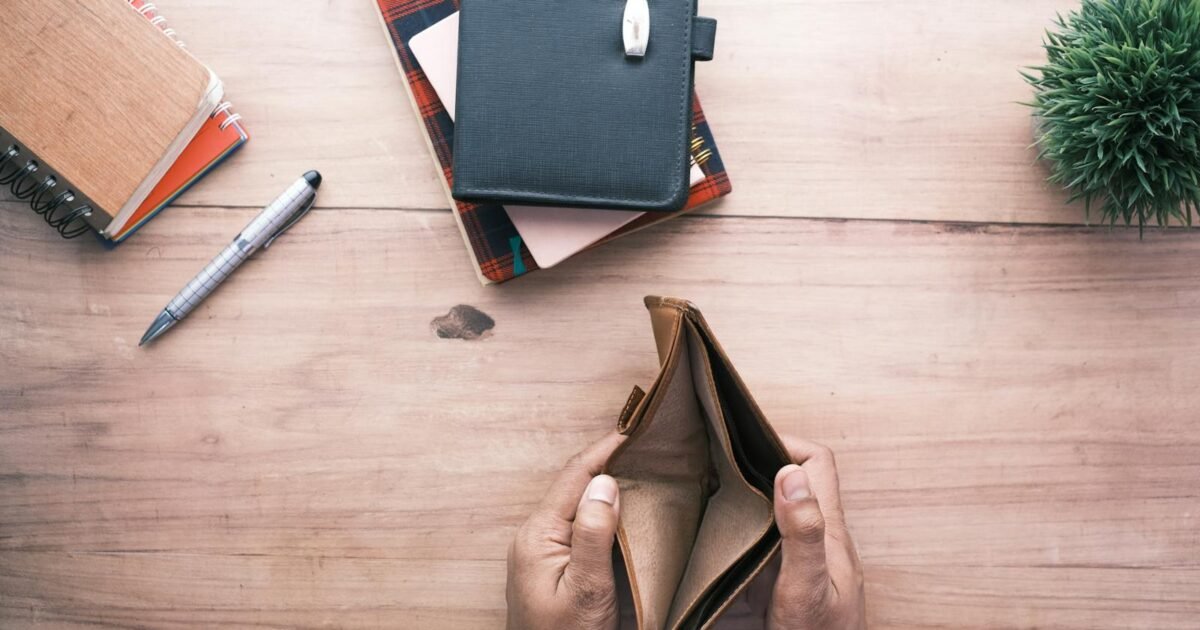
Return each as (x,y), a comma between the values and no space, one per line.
(682,124)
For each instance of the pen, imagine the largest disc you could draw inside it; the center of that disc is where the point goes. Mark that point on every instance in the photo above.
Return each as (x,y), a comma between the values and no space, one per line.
(275,219)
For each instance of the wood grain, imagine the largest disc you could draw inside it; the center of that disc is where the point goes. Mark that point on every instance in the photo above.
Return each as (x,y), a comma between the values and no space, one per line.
(1013,405)
(1013,410)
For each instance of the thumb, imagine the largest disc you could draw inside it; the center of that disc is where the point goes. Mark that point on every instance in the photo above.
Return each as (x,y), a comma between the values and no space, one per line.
(803,576)
(592,534)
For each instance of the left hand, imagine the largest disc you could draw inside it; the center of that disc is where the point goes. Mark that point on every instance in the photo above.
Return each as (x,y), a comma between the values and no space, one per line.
(560,570)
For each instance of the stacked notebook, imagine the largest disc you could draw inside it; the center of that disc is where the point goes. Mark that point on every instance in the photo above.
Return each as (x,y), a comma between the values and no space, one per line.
(507,241)
(105,118)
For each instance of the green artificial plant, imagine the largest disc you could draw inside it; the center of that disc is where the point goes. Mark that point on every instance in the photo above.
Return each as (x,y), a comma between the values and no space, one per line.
(1118,108)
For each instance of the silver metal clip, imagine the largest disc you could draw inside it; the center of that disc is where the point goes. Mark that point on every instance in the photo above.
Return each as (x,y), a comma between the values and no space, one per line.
(635,28)
(295,218)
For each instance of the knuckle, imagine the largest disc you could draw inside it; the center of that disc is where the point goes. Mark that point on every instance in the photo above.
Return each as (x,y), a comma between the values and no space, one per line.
(591,525)
(835,529)
(808,526)
(859,577)
(591,595)
(525,540)
(574,462)
(522,534)
(792,619)
(593,602)
(803,611)
(517,555)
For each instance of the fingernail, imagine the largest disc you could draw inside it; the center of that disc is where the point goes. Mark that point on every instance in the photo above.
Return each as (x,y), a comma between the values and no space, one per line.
(603,488)
(795,485)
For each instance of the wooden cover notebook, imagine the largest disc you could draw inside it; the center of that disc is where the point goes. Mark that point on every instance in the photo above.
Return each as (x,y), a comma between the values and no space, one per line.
(100,99)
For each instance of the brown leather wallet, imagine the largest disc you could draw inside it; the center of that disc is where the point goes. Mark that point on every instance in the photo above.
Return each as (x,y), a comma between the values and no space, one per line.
(696,477)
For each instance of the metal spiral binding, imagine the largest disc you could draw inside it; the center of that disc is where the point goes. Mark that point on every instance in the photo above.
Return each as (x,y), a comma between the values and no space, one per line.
(55,209)
(230,118)
(150,11)
(699,154)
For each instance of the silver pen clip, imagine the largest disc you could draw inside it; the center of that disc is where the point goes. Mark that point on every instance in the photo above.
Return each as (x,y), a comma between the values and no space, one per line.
(635,28)
(295,218)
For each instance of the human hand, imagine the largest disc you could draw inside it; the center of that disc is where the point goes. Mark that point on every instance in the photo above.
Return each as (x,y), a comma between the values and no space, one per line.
(820,579)
(560,570)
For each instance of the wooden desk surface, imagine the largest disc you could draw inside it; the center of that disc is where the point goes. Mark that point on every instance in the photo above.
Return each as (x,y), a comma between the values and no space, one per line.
(1013,397)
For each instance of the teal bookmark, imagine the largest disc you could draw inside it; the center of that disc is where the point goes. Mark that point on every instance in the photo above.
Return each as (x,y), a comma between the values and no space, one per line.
(518,264)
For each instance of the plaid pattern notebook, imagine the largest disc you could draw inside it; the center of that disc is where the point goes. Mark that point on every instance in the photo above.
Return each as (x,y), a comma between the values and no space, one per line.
(494,242)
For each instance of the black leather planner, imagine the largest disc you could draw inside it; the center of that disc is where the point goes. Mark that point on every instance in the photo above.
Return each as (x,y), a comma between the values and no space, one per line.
(551,110)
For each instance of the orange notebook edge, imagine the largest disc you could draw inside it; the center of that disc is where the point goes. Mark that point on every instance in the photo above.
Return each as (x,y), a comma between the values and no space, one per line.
(221,135)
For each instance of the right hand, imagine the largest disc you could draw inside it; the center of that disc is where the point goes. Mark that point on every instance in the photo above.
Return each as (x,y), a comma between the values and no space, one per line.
(820,578)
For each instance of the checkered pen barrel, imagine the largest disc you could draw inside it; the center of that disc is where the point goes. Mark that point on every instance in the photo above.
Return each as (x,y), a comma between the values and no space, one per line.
(275,219)
(258,232)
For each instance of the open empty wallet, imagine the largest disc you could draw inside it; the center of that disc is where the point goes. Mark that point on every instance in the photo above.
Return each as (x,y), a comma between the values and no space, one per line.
(696,476)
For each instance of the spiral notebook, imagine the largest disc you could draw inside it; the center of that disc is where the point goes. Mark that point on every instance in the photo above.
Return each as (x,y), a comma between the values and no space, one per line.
(97,103)
(504,242)
(220,136)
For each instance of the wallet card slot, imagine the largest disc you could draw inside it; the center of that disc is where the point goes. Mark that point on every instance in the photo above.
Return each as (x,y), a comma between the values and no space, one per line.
(662,470)
(754,448)
(737,515)
(748,564)
(756,476)
(727,586)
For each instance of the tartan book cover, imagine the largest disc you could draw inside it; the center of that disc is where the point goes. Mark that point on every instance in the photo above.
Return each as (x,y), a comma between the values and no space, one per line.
(494,241)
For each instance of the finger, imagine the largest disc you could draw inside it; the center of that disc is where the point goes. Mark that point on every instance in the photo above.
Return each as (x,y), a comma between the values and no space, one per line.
(818,461)
(562,498)
(802,450)
(592,535)
(803,576)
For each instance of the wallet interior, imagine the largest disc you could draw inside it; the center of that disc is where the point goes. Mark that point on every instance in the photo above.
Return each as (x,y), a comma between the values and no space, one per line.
(696,476)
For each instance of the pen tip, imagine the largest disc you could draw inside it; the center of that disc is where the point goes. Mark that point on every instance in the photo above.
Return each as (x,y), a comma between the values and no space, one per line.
(161,324)
(313,178)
